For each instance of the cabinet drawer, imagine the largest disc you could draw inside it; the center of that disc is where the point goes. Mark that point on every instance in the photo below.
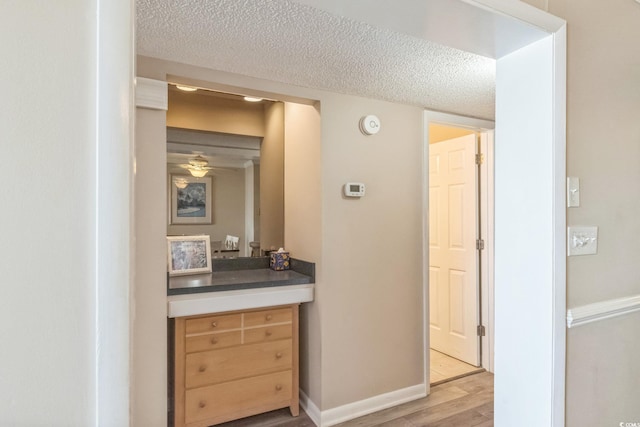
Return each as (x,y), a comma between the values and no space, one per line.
(267,333)
(213,323)
(223,402)
(216,366)
(267,317)
(212,341)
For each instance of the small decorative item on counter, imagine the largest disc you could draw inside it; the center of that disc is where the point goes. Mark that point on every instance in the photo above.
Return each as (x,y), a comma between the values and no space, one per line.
(279,260)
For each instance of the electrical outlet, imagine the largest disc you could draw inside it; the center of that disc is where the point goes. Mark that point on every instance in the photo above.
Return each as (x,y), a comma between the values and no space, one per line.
(582,240)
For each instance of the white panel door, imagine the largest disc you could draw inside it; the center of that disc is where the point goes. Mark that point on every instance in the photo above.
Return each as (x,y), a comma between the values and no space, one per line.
(453,258)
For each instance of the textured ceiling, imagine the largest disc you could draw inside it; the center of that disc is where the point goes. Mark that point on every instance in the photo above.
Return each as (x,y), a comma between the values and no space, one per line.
(292,43)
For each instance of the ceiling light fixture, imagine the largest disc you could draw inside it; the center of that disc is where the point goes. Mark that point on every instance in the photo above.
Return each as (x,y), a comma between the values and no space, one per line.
(198,166)
(252,99)
(186,88)
(198,173)
(180,182)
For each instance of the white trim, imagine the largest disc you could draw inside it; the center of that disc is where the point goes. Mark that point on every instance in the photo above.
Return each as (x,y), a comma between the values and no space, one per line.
(244,299)
(559,179)
(310,408)
(151,94)
(487,261)
(249,206)
(114,222)
(522,12)
(426,338)
(456,121)
(602,310)
(373,404)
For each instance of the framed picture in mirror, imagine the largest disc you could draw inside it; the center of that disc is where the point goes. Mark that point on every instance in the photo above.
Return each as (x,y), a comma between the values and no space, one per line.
(191,199)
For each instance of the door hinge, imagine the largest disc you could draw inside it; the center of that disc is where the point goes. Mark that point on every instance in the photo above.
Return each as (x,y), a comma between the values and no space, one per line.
(479,159)
(480,244)
(481,331)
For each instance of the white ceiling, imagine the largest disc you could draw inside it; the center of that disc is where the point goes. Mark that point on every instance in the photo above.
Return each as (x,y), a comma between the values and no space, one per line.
(373,48)
(299,44)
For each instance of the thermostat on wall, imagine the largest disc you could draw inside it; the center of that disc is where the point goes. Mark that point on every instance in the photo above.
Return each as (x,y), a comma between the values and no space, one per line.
(354,189)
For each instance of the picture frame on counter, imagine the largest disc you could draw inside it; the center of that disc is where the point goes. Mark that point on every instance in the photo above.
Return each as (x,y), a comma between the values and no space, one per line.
(191,199)
(188,255)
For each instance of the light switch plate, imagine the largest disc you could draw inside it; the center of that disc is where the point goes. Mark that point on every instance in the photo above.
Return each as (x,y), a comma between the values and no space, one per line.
(573,192)
(582,240)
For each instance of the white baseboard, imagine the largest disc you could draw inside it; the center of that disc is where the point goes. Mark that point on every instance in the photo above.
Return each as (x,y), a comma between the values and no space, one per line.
(582,315)
(310,408)
(353,410)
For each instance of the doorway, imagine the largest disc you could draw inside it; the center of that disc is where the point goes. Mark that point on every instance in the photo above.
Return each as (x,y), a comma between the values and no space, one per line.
(459,238)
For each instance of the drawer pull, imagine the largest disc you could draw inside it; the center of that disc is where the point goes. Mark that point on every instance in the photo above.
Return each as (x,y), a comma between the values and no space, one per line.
(214,340)
(278,355)
(202,368)
(214,324)
(268,333)
(268,317)
(202,404)
(278,387)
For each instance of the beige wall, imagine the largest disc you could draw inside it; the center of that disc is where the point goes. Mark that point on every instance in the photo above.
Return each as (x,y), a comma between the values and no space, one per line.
(603,148)
(603,373)
(603,144)
(303,225)
(149,374)
(364,333)
(371,298)
(540,4)
(193,110)
(272,179)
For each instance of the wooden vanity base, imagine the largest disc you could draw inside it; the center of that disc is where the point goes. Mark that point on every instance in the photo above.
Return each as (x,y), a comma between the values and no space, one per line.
(236,364)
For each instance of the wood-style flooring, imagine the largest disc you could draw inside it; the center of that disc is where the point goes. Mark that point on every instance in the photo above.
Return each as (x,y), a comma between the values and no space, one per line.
(464,402)
(445,368)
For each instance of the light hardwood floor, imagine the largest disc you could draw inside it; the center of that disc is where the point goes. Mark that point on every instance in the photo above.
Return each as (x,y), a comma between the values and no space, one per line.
(445,368)
(464,402)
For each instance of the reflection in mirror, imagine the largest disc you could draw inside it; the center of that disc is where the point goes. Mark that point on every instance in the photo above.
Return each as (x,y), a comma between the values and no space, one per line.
(239,148)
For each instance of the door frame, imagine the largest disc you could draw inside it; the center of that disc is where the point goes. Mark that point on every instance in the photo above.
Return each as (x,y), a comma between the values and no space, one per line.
(485,127)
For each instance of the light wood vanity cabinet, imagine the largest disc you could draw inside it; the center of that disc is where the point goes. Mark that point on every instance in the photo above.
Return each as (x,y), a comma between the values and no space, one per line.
(236,364)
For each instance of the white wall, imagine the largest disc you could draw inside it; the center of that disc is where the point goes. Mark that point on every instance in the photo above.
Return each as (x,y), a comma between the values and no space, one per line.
(529,236)
(65,318)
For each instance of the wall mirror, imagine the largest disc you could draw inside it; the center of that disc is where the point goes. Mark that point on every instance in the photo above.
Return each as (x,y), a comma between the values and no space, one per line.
(225,170)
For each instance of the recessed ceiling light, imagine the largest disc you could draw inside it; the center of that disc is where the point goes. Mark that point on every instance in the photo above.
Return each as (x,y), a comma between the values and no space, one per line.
(187,88)
(252,99)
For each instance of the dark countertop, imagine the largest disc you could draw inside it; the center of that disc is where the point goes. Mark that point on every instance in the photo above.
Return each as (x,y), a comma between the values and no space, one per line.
(242,273)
